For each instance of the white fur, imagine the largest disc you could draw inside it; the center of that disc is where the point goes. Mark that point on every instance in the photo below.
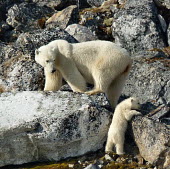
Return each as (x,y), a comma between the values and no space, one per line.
(123,113)
(101,63)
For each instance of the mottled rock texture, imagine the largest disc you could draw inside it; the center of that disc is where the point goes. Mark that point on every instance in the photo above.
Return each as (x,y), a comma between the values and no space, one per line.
(80,33)
(39,126)
(136,26)
(149,81)
(63,18)
(153,140)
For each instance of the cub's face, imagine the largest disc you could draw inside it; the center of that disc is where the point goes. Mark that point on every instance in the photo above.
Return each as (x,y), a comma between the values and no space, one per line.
(134,103)
(46,57)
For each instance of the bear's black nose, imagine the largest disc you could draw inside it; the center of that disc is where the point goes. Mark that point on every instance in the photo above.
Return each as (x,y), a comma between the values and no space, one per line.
(54,70)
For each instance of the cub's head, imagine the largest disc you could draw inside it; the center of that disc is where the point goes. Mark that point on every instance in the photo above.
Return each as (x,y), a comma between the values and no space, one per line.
(134,103)
(131,103)
(46,57)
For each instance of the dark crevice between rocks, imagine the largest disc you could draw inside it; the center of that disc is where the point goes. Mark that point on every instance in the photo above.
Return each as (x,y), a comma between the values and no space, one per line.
(159,29)
(38,128)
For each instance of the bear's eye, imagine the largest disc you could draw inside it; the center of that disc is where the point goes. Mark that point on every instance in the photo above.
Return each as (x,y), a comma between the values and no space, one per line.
(47,61)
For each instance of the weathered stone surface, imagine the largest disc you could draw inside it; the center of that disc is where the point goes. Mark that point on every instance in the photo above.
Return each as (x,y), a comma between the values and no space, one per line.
(80,33)
(49,126)
(96,3)
(51,3)
(19,71)
(163,23)
(136,27)
(168,31)
(63,18)
(99,21)
(25,15)
(153,140)
(149,81)
(162,3)
(7,52)
(61,4)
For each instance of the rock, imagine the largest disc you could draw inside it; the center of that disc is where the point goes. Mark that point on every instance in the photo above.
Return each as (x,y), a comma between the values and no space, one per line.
(167,4)
(163,23)
(61,4)
(80,33)
(107,157)
(19,71)
(121,2)
(149,81)
(153,140)
(52,3)
(63,18)
(135,26)
(4,5)
(7,51)
(24,16)
(99,21)
(92,166)
(50,126)
(162,3)
(96,3)
(168,31)
(32,40)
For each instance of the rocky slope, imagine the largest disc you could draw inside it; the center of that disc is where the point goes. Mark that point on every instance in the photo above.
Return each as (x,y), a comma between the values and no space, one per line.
(31,128)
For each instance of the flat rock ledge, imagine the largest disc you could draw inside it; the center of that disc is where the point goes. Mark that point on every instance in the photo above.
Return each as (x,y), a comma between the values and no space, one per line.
(48,126)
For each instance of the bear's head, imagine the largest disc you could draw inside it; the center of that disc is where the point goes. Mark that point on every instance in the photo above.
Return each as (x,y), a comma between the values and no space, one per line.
(46,57)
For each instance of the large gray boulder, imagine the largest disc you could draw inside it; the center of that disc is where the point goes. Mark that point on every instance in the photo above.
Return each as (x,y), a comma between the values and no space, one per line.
(81,33)
(136,27)
(39,126)
(149,81)
(153,141)
(24,16)
(63,18)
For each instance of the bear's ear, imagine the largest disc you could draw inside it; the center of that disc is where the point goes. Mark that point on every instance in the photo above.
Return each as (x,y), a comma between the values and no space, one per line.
(65,48)
(37,52)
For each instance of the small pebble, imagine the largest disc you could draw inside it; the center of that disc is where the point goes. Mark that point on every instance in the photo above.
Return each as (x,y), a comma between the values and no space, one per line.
(107,157)
(71,165)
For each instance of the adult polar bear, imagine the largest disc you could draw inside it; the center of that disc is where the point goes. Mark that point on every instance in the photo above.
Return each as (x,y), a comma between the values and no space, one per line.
(102,63)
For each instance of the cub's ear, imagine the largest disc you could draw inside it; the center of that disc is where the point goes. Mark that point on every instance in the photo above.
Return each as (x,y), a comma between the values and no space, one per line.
(37,52)
(131,99)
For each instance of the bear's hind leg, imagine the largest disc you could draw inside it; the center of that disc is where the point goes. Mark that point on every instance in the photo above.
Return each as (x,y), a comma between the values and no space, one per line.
(114,91)
(109,145)
(101,83)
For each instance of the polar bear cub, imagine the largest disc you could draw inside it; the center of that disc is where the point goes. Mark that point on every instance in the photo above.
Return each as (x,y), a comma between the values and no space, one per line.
(123,113)
(102,63)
